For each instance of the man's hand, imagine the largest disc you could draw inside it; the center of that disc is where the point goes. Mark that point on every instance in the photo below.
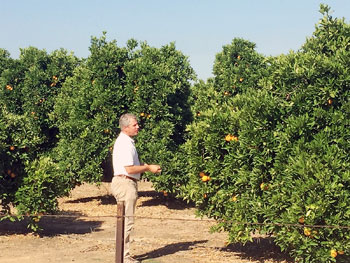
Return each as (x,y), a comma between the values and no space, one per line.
(154,168)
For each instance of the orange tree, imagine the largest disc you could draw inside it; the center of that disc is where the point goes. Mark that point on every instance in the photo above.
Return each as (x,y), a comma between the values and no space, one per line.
(29,86)
(215,133)
(312,157)
(276,153)
(152,83)
(160,83)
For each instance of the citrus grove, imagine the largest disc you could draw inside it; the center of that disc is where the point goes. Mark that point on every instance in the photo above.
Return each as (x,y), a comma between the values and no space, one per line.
(262,146)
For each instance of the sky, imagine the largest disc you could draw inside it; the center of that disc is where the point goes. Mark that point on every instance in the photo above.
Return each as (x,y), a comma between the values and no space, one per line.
(199,28)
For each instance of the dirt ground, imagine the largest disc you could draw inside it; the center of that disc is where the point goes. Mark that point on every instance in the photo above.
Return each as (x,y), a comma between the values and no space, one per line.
(166,230)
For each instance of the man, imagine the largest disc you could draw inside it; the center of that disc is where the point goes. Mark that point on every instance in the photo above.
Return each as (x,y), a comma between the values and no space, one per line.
(127,171)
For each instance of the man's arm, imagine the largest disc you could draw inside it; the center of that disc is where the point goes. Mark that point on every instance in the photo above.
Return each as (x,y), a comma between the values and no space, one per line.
(135,169)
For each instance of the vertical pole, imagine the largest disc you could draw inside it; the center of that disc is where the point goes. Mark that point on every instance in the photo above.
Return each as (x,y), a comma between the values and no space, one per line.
(119,249)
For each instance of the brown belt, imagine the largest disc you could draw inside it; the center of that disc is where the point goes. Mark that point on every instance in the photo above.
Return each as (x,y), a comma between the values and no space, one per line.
(128,177)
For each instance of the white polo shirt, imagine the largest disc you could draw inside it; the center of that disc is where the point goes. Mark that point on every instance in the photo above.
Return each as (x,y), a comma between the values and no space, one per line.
(124,154)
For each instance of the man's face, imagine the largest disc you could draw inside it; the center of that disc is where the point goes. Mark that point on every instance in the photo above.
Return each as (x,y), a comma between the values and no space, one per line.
(133,128)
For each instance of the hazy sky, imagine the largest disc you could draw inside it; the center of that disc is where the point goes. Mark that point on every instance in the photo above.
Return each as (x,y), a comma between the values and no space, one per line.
(199,28)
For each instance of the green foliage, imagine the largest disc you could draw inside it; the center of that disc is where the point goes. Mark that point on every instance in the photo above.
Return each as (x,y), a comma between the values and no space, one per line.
(238,67)
(38,193)
(261,147)
(149,82)
(59,117)
(29,86)
(277,151)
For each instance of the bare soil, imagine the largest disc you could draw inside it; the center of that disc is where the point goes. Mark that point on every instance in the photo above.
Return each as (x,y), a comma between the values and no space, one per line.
(166,230)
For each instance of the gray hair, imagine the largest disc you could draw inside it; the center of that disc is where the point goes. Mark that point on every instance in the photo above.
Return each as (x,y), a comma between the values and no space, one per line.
(125,120)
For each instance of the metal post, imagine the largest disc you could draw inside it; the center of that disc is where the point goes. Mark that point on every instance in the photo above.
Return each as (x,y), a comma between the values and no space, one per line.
(119,249)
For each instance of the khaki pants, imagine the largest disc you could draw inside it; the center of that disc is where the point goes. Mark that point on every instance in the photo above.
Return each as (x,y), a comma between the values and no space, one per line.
(124,189)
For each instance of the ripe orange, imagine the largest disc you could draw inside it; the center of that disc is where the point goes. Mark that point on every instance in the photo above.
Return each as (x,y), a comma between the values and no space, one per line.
(201,174)
(8,87)
(333,253)
(165,193)
(205,178)
(264,187)
(228,137)
(307,231)
(142,114)
(12,148)
(341,252)
(241,79)
(13,175)
(301,220)
(234,198)
(330,101)
(9,171)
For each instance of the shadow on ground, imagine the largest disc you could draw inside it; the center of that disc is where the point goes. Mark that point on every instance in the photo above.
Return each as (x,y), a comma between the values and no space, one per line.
(158,199)
(169,249)
(52,225)
(260,250)
(103,199)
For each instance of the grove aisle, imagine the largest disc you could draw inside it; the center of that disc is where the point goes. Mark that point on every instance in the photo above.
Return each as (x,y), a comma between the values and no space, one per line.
(166,230)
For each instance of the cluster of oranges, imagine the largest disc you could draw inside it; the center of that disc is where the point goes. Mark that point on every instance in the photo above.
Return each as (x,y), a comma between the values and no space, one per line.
(142,114)
(204,177)
(9,87)
(230,137)
(334,253)
(11,174)
(54,81)
(310,233)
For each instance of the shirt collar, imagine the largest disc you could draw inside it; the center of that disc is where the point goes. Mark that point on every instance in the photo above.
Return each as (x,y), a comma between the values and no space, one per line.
(126,136)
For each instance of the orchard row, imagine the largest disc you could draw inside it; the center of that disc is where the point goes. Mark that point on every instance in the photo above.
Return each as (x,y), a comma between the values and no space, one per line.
(265,142)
